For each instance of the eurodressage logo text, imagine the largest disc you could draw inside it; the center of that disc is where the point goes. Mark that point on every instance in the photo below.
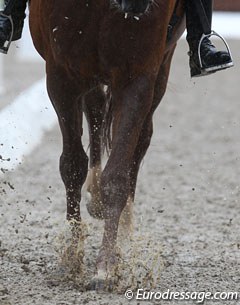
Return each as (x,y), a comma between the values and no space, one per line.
(199,297)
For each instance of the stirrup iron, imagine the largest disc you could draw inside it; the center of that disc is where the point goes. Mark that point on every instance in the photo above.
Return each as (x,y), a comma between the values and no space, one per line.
(212,69)
(4,49)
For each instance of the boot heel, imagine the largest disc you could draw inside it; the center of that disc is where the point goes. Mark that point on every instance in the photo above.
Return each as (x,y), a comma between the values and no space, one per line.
(17,34)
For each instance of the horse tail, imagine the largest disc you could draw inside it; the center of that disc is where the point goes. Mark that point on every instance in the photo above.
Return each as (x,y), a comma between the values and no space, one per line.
(106,135)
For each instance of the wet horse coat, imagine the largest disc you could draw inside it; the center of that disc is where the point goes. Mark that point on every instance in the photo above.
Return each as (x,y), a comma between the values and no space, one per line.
(87,44)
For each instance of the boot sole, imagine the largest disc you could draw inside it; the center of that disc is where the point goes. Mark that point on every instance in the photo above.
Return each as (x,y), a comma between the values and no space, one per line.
(211,70)
(218,68)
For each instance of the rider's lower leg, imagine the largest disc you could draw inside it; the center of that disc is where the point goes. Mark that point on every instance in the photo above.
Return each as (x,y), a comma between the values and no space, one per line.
(204,58)
(11,25)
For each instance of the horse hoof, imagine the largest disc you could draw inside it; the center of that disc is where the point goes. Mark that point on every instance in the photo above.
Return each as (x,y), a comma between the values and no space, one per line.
(95,210)
(97,284)
(101,285)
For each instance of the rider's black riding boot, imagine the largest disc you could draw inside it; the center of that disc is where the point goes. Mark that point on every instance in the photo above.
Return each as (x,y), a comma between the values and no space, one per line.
(18,15)
(212,59)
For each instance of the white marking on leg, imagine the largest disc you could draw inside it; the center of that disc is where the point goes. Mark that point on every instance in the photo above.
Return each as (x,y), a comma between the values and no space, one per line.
(125,228)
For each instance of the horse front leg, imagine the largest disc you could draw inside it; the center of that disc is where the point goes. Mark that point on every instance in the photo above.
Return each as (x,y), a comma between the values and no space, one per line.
(126,221)
(144,142)
(130,108)
(73,161)
(145,136)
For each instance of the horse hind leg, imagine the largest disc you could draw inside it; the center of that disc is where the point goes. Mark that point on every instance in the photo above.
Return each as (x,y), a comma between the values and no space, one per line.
(94,103)
(125,229)
(93,190)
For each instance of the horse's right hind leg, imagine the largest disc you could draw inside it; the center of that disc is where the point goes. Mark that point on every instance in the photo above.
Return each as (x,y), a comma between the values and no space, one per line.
(94,103)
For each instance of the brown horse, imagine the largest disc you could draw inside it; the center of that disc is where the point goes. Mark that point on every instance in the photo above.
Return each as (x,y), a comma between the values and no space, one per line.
(126,45)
